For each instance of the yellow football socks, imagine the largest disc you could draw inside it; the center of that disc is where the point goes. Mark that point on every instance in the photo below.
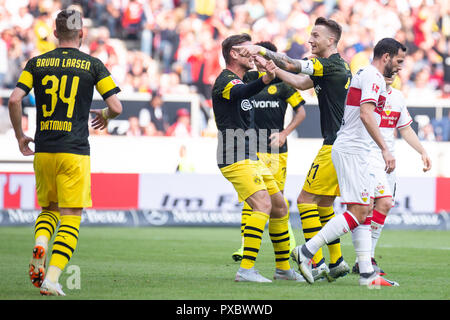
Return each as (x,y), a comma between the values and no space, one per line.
(45,227)
(253,232)
(309,215)
(334,247)
(65,243)
(246,212)
(279,235)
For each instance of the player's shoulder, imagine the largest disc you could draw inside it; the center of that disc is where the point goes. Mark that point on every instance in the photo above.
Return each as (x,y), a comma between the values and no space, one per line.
(396,94)
(226,77)
(252,75)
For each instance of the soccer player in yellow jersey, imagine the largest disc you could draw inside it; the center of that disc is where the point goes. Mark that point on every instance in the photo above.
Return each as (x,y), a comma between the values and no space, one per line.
(270,109)
(239,163)
(330,77)
(63,81)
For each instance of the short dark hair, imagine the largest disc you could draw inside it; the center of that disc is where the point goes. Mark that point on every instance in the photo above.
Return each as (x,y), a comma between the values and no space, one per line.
(268,45)
(387,45)
(68,24)
(231,41)
(332,26)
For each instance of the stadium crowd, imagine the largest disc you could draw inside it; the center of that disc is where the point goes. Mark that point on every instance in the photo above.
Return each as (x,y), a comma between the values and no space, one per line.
(174,46)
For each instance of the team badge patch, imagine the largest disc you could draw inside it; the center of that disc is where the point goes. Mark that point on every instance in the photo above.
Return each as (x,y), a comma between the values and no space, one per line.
(364,196)
(257,180)
(380,189)
(387,108)
(272,89)
(236,81)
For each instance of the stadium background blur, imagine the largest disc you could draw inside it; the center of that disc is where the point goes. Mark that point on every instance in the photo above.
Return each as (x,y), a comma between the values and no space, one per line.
(166,54)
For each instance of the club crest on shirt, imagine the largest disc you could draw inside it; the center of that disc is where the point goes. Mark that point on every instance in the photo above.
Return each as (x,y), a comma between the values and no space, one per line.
(387,108)
(380,189)
(272,89)
(257,180)
(365,196)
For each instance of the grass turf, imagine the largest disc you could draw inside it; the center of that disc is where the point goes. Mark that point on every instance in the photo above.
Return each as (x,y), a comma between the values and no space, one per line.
(195,264)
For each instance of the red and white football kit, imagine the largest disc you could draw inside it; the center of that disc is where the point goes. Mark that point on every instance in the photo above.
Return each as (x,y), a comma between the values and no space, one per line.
(353,143)
(394,115)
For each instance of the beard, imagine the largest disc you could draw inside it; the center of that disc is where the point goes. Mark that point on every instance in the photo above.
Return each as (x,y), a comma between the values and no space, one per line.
(389,70)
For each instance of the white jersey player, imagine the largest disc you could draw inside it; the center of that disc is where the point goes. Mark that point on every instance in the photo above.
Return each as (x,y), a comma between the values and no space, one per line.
(366,94)
(395,115)
(353,142)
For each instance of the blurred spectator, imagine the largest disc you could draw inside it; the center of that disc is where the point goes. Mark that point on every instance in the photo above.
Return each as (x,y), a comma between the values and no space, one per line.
(150,130)
(204,65)
(134,129)
(154,115)
(185,163)
(443,50)
(425,128)
(182,127)
(426,133)
(132,19)
(3,61)
(442,128)
(168,39)
(5,123)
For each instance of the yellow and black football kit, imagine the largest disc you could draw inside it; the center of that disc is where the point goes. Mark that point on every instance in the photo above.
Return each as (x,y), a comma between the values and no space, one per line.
(236,154)
(269,109)
(63,81)
(331,78)
(237,145)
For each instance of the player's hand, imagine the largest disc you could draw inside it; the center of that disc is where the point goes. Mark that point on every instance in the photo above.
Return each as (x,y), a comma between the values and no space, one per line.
(248,50)
(277,139)
(269,67)
(389,160)
(426,162)
(23,145)
(99,122)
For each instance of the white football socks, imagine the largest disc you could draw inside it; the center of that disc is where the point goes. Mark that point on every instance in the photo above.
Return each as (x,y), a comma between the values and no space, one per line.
(336,227)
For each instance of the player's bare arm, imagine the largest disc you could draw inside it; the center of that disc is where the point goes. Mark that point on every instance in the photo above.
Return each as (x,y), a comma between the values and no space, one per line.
(279,138)
(281,60)
(410,136)
(366,115)
(15,114)
(113,109)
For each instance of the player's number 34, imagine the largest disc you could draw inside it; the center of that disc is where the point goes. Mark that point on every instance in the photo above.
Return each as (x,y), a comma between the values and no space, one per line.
(55,93)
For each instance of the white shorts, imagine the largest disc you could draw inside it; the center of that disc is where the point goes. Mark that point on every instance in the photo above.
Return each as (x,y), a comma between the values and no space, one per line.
(353,177)
(383,183)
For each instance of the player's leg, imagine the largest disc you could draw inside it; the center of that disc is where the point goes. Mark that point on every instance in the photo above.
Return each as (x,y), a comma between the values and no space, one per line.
(311,225)
(279,235)
(292,240)
(73,182)
(319,190)
(44,228)
(261,203)
(246,212)
(353,176)
(380,212)
(47,220)
(64,245)
(337,265)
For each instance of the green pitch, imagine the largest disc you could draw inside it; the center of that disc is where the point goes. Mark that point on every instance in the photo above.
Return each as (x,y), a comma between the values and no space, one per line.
(195,263)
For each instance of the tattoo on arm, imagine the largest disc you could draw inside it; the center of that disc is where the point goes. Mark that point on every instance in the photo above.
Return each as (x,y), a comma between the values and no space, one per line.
(283,61)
